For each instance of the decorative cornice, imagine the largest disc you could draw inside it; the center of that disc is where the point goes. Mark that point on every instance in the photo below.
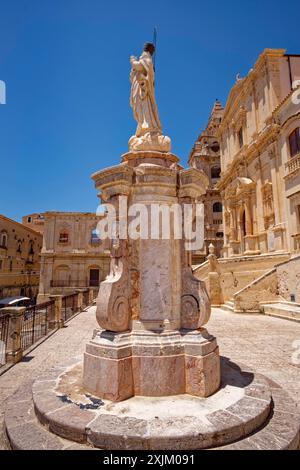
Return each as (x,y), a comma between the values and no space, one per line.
(242,87)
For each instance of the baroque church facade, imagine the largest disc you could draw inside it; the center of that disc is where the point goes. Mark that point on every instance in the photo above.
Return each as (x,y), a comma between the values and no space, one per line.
(205,156)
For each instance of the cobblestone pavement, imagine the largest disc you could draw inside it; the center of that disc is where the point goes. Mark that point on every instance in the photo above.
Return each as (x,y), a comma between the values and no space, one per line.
(264,343)
(62,345)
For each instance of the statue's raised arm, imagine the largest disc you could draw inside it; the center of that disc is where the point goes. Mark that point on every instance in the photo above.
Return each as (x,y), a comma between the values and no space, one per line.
(148,134)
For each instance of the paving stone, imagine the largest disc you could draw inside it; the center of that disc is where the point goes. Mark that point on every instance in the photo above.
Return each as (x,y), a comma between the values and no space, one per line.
(253,412)
(70,422)
(18,413)
(30,436)
(42,386)
(263,344)
(113,433)
(258,391)
(46,402)
(227,427)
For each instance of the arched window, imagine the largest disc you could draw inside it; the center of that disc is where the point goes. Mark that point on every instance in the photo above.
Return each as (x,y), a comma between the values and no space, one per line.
(215,146)
(215,172)
(219,234)
(19,250)
(241,137)
(294,142)
(3,240)
(63,237)
(31,251)
(62,276)
(217,207)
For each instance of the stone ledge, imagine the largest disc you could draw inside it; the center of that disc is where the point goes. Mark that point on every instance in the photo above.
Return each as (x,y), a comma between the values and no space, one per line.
(120,425)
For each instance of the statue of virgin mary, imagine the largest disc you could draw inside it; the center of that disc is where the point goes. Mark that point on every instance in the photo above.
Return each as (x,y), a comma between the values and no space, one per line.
(148,134)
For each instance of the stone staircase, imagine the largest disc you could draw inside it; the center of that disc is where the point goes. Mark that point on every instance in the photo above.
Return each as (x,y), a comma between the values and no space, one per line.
(228,305)
(285,310)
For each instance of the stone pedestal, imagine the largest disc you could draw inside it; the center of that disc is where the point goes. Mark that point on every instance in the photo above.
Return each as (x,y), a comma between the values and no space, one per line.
(120,365)
(151,309)
(14,352)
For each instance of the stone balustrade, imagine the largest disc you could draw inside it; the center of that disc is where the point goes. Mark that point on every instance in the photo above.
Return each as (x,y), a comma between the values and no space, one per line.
(292,166)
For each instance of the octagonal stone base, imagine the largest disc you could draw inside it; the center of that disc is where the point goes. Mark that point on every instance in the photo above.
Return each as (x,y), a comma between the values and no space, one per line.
(118,366)
(55,412)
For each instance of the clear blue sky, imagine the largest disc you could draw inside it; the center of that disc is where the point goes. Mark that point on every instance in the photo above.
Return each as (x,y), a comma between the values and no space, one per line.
(66,68)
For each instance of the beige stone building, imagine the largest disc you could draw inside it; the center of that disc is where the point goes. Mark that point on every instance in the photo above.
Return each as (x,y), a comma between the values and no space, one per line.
(287,115)
(260,188)
(20,249)
(72,256)
(205,156)
(255,148)
(34,221)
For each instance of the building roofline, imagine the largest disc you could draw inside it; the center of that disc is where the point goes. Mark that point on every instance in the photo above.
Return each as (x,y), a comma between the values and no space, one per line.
(237,87)
(69,213)
(25,227)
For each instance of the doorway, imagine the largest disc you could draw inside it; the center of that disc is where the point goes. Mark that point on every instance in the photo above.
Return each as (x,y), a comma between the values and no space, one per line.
(94,277)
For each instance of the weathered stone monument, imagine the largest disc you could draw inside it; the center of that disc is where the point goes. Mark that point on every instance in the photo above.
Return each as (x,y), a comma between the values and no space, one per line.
(151,376)
(151,309)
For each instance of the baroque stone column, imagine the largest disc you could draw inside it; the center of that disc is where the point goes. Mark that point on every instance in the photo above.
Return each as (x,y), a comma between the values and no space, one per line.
(151,309)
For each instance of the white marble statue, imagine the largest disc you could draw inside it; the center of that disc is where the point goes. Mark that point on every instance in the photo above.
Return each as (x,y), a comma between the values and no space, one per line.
(148,134)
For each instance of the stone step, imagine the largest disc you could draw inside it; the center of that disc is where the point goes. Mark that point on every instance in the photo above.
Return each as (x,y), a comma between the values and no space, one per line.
(281,430)
(285,310)
(277,429)
(228,306)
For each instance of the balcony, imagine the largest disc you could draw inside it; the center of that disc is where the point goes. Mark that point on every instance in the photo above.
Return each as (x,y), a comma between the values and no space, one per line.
(74,283)
(292,167)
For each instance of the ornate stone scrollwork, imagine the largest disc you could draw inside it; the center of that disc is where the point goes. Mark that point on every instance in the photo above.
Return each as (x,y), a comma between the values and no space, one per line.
(113,312)
(195,305)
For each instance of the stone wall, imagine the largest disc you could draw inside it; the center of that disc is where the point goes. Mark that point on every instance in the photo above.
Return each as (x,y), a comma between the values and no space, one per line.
(70,253)
(236,273)
(263,289)
(20,249)
(289,279)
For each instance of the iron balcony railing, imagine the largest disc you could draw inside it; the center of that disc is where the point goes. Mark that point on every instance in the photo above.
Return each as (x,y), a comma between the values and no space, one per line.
(74,283)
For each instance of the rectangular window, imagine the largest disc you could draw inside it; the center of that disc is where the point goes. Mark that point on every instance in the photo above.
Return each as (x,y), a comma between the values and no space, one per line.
(63,237)
(294,142)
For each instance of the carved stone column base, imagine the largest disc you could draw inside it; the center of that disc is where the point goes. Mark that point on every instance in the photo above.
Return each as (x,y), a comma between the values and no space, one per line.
(120,365)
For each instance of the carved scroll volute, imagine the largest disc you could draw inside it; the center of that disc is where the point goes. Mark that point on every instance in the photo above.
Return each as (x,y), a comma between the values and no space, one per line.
(195,304)
(113,311)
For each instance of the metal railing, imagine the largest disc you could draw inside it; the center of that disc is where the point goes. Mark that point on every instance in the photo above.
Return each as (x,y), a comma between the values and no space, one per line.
(4,323)
(76,283)
(21,327)
(69,305)
(86,297)
(35,323)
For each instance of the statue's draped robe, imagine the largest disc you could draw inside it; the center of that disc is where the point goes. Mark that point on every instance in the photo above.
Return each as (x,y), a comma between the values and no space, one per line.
(142,98)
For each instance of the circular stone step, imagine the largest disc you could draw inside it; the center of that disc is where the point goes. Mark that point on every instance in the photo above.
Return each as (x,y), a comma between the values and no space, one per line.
(182,422)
